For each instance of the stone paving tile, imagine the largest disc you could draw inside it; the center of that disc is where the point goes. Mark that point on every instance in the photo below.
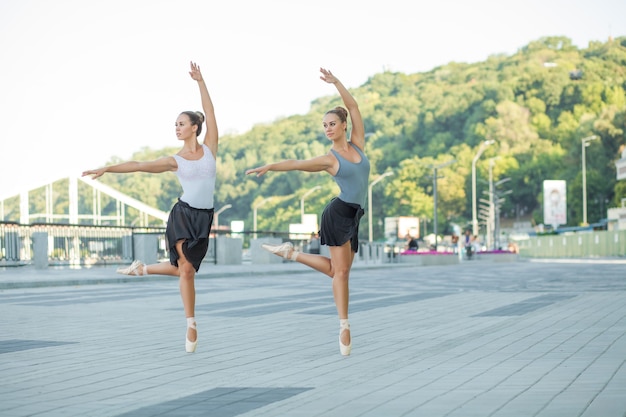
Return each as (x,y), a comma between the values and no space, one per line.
(520,339)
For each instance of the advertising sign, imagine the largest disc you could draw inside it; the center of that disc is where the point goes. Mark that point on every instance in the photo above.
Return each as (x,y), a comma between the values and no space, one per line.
(554,202)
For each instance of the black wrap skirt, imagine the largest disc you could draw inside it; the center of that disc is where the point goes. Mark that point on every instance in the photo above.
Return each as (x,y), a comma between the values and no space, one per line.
(191,225)
(340,223)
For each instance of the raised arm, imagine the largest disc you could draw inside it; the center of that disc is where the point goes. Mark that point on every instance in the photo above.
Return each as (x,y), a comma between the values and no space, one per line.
(357,135)
(211,133)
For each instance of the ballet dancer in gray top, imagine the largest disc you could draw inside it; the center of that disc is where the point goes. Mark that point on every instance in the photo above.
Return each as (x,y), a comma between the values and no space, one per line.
(339,228)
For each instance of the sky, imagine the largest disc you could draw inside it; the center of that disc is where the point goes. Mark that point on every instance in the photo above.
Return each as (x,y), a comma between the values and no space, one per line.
(82,81)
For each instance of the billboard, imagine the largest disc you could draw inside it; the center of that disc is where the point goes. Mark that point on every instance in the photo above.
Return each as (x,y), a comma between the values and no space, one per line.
(400,227)
(554,202)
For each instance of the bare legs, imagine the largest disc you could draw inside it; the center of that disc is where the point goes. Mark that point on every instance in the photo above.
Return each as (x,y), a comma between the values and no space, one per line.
(162,268)
(338,268)
(341,258)
(186,273)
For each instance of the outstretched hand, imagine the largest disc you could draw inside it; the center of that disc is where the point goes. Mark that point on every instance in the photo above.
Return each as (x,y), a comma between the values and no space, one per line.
(328,76)
(259,171)
(95,172)
(195,71)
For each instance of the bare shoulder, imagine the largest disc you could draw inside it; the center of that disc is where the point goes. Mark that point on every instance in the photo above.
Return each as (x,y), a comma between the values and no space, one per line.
(331,162)
(324,161)
(167,163)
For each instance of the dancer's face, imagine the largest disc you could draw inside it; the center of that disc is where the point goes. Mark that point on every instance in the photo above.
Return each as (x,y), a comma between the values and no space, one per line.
(333,126)
(184,128)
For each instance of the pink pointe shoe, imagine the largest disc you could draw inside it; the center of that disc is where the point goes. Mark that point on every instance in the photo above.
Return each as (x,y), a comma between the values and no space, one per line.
(284,250)
(190,346)
(344,349)
(136,268)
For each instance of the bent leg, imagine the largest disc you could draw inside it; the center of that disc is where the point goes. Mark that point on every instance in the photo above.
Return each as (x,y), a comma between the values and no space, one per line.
(318,262)
(324,264)
(162,268)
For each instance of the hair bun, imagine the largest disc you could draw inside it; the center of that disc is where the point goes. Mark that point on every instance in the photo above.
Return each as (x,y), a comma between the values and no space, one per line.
(201,116)
(342,111)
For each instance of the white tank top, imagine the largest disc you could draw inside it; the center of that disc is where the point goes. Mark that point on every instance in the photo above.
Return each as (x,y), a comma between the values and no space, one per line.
(197,179)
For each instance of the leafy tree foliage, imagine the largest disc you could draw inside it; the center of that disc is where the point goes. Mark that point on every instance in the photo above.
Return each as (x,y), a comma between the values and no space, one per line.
(537,104)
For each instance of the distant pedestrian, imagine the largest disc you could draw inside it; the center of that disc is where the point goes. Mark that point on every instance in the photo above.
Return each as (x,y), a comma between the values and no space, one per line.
(189,223)
(314,244)
(476,245)
(411,243)
(455,242)
(347,164)
(468,243)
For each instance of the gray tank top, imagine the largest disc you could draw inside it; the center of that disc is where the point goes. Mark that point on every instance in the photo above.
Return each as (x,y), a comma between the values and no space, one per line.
(352,178)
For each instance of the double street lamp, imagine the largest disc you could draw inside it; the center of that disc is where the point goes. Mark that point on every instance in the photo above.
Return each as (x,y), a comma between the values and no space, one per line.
(254,208)
(369,201)
(435,168)
(312,190)
(217,215)
(481,149)
(585,143)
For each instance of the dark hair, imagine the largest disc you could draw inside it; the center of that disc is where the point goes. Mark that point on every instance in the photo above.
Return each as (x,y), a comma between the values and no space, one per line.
(197,118)
(341,113)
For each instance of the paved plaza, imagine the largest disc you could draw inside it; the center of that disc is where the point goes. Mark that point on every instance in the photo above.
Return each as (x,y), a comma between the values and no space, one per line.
(517,339)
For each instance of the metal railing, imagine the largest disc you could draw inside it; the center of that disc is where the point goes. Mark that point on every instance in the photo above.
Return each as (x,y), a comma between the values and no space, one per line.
(72,244)
(81,245)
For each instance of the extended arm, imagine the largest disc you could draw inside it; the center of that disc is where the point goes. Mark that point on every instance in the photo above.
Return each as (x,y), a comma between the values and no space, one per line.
(357,136)
(211,134)
(320,163)
(164,164)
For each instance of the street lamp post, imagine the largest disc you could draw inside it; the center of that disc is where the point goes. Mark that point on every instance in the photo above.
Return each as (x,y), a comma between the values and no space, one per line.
(254,208)
(585,143)
(317,187)
(369,201)
(217,215)
(435,168)
(492,208)
(481,149)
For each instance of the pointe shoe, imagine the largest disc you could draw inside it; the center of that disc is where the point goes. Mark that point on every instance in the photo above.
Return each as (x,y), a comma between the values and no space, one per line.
(190,346)
(136,268)
(345,349)
(284,250)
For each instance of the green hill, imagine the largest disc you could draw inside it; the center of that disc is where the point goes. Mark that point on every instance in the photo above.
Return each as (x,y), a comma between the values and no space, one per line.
(536,104)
